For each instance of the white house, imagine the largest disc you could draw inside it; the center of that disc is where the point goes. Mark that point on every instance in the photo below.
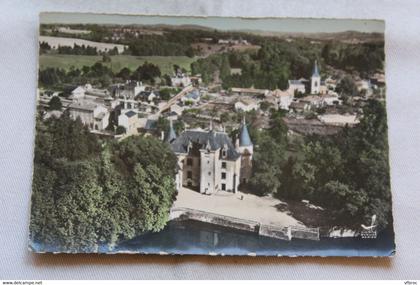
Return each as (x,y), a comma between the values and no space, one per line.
(284,98)
(78,93)
(246,105)
(191,97)
(331,98)
(365,86)
(339,120)
(177,109)
(296,86)
(130,121)
(314,101)
(95,116)
(180,80)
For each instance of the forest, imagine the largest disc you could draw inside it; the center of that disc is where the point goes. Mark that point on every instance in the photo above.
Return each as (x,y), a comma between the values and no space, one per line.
(89,192)
(98,75)
(277,61)
(347,173)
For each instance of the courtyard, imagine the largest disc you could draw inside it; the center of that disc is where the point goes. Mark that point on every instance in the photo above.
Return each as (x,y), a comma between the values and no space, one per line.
(265,210)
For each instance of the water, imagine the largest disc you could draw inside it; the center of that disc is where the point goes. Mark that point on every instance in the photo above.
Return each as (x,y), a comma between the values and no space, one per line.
(192,237)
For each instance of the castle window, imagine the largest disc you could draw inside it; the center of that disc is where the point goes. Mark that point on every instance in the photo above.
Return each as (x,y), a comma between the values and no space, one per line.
(223,187)
(224,165)
(189,174)
(209,173)
(189,161)
(223,175)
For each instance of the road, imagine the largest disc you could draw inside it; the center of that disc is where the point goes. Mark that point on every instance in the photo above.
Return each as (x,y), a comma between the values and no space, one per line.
(178,96)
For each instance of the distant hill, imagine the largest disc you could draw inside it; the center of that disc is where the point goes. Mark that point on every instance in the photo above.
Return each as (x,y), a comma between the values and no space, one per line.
(347,36)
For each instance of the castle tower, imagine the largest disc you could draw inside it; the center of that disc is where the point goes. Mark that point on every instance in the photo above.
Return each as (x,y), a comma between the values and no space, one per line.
(246,149)
(171,135)
(315,80)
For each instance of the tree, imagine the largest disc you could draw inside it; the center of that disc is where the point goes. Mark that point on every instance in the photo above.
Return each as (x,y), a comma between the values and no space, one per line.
(347,87)
(146,72)
(83,201)
(165,93)
(106,58)
(124,73)
(120,130)
(55,103)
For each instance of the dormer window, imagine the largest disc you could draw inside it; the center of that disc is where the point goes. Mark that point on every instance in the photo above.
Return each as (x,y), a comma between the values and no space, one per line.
(224,150)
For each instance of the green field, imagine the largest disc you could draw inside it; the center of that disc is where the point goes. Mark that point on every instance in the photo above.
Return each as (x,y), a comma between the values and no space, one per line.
(66,61)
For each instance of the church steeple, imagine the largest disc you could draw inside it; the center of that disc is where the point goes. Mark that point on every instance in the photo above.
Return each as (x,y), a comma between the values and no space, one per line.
(171,135)
(315,80)
(315,72)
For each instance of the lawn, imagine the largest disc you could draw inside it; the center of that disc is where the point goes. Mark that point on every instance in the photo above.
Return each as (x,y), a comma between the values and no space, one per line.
(65,61)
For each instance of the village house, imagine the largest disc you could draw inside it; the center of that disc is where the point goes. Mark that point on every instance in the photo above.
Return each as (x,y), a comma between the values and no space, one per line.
(339,120)
(95,116)
(364,86)
(92,95)
(192,97)
(130,121)
(249,91)
(296,86)
(283,98)
(180,80)
(299,107)
(208,160)
(314,101)
(148,96)
(178,109)
(331,99)
(246,104)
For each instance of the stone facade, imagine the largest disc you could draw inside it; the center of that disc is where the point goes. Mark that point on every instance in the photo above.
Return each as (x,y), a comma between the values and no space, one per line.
(208,161)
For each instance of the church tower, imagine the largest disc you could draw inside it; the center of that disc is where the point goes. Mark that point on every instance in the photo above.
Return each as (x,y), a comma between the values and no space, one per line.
(315,80)
(246,149)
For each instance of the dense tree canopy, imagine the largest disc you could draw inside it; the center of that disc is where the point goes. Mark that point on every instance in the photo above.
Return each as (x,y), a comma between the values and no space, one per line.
(88,193)
(347,173)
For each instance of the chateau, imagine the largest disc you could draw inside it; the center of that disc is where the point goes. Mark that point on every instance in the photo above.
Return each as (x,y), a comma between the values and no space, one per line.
(208,161)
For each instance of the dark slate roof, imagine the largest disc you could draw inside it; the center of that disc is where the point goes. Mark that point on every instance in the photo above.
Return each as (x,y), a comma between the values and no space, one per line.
(316,71)
(145,94)
(213,140)
(295,82)
(195,94)
(244,139)
(130,114)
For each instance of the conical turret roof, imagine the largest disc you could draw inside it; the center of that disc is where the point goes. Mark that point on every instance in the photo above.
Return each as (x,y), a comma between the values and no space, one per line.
(244,138)
(315,72)
(171,135)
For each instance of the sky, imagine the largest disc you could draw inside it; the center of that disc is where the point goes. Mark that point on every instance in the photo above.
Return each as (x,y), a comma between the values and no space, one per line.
(288,25)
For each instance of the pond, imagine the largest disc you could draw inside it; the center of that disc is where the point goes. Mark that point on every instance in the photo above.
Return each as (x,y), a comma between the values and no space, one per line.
(192,237)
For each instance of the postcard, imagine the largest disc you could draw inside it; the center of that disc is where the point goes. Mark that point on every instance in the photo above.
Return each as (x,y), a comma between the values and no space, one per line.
(211,136)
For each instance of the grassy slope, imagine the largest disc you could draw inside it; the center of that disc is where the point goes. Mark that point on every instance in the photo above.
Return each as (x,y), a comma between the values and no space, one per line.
(165,63)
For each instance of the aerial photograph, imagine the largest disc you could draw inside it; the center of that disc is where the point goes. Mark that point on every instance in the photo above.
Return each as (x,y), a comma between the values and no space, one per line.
(211,136)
